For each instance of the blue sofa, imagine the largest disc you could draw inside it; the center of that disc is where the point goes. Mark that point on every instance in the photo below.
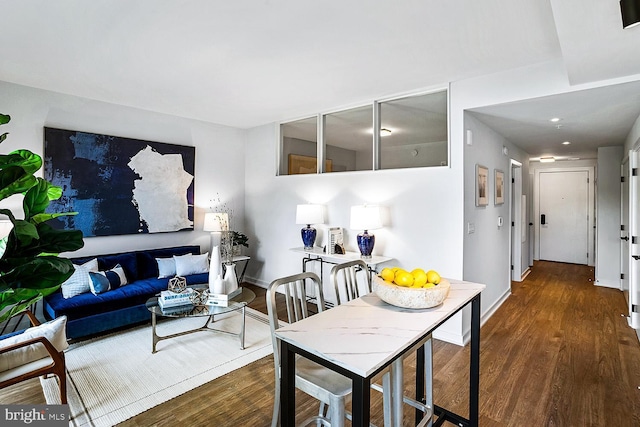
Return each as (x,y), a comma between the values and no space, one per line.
(89,314)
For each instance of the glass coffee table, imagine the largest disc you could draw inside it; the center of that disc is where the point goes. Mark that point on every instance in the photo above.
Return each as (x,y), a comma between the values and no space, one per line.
(238,303)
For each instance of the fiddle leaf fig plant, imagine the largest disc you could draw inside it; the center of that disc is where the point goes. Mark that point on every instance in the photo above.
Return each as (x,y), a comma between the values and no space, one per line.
(30,267)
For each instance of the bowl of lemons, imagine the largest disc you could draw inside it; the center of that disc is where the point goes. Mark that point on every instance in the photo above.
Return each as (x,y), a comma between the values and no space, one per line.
(415,289)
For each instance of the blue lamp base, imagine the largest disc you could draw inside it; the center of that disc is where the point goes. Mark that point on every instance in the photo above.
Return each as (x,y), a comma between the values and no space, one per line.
(308,236)
(365,244)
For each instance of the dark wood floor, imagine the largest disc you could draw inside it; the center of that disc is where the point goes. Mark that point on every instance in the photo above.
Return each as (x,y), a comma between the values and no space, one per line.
(558,352)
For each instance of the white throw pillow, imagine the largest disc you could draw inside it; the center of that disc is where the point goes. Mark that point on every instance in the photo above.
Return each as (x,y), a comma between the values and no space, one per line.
(79,282)
(167,266)
(195,264)
(54,331)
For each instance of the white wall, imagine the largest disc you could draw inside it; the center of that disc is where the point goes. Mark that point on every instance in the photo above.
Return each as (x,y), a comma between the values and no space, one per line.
(633,138)
(424,207)
(608,216)
(487,251)
(219,152)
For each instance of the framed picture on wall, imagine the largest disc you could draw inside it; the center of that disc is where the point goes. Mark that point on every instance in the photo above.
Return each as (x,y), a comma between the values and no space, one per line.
(482,185)
(499,190)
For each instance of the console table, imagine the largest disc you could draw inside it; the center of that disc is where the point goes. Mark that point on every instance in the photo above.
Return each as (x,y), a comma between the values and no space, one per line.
(318,255)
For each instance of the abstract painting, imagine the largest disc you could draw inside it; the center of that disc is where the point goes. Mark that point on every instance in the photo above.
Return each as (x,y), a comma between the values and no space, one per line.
(119,185)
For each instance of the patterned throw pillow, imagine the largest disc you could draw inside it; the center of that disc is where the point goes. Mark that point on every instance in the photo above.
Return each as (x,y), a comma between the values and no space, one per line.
(79,282)
(104,281)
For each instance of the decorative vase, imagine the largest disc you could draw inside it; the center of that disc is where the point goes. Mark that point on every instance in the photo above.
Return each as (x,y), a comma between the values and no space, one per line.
(215,266)
(230,279)
(217,286)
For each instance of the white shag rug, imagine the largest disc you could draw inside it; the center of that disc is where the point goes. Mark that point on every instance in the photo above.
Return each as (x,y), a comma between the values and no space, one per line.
(115,377)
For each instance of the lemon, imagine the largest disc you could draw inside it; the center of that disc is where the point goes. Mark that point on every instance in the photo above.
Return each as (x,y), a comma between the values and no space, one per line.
(387,274)
(433,277)
(419,277)
(403,279)
(428,285)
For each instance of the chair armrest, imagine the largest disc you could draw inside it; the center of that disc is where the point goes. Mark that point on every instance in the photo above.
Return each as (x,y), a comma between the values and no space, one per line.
(53,352)
(32,317)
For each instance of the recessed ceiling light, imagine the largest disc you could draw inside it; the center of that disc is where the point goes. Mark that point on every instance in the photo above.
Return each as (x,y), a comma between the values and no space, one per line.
(385,132)
(566,143)
(555,119)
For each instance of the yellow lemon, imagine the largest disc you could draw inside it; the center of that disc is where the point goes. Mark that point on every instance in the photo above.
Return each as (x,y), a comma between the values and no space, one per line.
(387,274)
(403,279)
(428,285)
(433,277)
(398,271)
(419,277)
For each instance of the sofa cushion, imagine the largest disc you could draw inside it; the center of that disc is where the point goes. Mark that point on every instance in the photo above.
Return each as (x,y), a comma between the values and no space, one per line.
(147,265)
(135,293)
(79,282)
(194,264)
(128,262)
(99,283)
(54,331)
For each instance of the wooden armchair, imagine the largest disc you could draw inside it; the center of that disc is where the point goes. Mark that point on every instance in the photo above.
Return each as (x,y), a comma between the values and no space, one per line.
(35,352)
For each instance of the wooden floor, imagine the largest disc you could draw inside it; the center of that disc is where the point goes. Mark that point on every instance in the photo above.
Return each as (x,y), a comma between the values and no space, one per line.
(558,352)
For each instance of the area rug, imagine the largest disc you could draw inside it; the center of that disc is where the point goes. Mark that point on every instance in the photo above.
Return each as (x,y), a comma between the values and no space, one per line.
(115,377)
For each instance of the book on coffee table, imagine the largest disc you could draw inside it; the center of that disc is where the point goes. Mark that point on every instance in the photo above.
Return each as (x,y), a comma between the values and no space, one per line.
(222,300)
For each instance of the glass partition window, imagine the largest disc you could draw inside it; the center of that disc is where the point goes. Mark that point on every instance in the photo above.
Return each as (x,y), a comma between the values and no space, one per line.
(349,140)
(414,132)
(299,146)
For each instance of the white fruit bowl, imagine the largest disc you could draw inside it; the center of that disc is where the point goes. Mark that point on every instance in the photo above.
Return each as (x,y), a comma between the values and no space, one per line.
(404,297)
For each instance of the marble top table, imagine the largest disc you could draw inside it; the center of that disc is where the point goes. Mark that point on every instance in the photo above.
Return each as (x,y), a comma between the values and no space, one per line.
(363,336)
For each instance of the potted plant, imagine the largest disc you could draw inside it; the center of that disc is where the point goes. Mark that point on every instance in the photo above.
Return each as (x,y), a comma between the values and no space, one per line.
(238,240)
(29,265)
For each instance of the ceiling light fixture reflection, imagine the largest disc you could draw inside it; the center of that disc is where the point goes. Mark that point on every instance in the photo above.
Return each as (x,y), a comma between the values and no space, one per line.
(547,159)
(566,143)
(385,132)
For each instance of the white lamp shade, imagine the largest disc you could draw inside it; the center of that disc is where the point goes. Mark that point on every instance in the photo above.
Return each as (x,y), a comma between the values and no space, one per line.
(365,217)
(310,214)
(216,221)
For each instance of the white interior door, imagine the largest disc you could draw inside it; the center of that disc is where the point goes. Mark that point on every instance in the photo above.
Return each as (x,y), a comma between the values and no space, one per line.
(516,223)
(634,248)
(624,229)
(564,216)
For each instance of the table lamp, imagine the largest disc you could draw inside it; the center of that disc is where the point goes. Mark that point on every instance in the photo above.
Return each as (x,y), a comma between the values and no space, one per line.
(309,214)
(366,217)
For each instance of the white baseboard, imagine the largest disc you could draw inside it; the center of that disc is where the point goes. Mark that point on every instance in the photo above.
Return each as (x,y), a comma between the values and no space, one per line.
(257,282)
(456,339)
(638,334)
(525,274)
(607,285)
(466,336)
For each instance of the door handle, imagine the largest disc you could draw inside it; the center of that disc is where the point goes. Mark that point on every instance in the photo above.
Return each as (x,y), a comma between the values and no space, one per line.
(625,238)
(636,257)
(543,219)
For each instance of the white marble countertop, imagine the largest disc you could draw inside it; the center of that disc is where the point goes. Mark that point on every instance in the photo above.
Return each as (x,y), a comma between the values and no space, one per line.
(339,258)
(364,334)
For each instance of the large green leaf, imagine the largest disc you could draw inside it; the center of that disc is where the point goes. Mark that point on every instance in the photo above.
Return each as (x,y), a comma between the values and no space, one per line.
(4,119)
(39,273)
(25,159)
(4,136)
(37,199)
(43,217)
(14,180)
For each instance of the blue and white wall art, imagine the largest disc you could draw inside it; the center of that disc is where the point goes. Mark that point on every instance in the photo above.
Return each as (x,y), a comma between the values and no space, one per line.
(119,185)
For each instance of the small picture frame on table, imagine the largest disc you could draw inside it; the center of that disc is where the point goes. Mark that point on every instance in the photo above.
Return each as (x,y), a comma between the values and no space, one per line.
(482,185)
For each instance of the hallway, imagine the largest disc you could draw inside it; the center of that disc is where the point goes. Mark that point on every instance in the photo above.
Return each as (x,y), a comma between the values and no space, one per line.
(558,352)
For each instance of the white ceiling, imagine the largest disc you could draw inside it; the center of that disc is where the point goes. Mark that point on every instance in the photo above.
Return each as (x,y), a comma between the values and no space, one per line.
(245,63)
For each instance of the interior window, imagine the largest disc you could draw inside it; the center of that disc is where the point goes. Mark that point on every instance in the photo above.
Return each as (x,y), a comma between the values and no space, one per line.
(413,131)
(349,140)
(299,146)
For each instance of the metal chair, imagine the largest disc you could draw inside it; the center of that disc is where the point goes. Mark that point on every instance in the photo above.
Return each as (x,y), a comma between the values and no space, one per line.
(344,278)
(329,387)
